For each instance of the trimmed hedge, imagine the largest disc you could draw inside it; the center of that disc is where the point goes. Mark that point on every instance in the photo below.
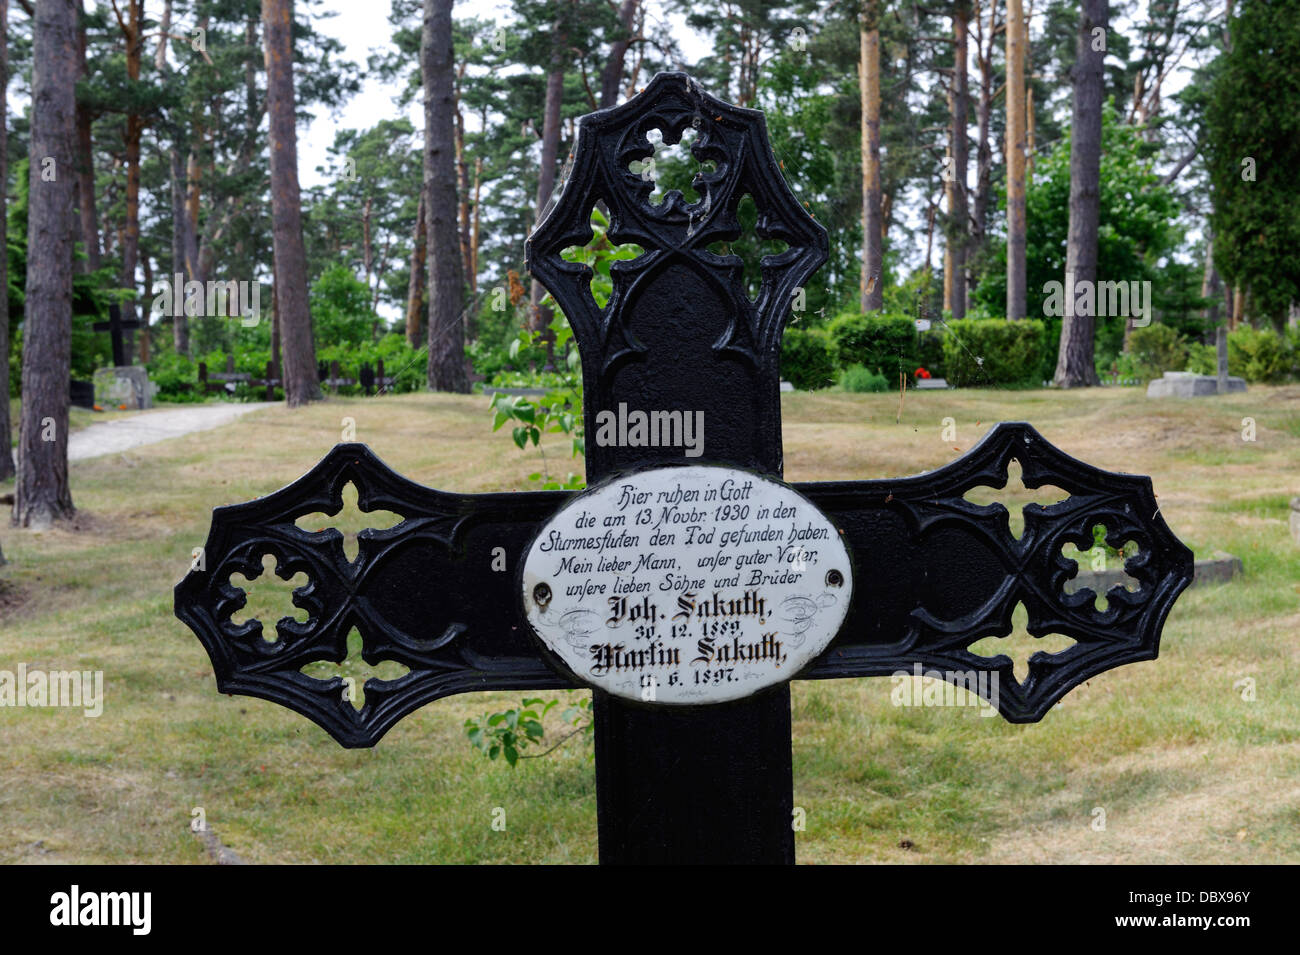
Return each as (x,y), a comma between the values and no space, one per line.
(1011,352)
(884,343)
(807,358)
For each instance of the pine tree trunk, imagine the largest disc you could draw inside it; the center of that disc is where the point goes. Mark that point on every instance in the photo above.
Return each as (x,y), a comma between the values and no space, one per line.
(954,276)
(180,242)
(983,123)
(6,428)
(418,282)
(1211,282)
(1074,361)
(611,77)
(133,134)
(541,317)
(86,162)
(180,323)
(193,197)
(474,229)
(462,188)
(446,285)
(1015,155)
(871,287)
(301,382)
(41,494)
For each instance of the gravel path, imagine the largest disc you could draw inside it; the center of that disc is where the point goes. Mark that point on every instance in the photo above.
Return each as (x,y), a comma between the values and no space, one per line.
(149,427)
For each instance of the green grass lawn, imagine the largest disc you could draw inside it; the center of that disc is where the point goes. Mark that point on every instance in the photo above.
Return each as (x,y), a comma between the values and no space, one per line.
(1184,769)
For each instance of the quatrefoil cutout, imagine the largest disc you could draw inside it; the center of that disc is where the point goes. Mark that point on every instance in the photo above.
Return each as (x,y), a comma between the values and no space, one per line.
(1019,646)
(755,251)
(673,167)
(1102,557)
(355,673)
(350,521)
(1015,497)
(601,256)
(269,598)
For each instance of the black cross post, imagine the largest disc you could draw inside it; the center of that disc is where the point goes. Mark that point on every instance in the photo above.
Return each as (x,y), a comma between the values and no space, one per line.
(118,329)
(932,572)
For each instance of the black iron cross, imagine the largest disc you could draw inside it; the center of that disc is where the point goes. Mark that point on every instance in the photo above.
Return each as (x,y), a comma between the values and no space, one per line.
(932,572)
(118,328)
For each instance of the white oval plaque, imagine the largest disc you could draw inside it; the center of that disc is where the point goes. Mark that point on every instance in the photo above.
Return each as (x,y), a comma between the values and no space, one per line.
(687,584)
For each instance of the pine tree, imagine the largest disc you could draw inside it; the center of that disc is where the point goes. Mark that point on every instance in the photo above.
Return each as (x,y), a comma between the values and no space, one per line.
(41,494)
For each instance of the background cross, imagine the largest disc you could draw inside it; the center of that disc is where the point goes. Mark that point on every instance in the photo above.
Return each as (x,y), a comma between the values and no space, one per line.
(933,572)
(120,331)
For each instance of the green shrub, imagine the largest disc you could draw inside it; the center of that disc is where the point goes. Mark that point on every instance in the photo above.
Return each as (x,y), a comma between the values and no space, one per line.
(807,358)
(1202,359)
(1260,355)
(401,361)
(884,342)
(993,352)
(859,380)
(176,377)
(1126,367)
(1156,349)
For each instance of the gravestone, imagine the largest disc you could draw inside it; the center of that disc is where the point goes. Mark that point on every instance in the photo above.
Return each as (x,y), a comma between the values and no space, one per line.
(686,591)
(125,383)
(1189,384)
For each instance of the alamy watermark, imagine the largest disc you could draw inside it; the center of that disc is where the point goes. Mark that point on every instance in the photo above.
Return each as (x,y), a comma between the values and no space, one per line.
(83,689)
(1098,299)
(945,688)
(232,299)
(651,429)
(77,908)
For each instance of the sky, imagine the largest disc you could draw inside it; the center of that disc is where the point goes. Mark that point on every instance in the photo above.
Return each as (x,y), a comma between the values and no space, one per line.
(364,27)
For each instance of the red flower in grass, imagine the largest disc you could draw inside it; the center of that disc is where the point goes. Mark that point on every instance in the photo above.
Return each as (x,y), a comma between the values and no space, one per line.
(922,373)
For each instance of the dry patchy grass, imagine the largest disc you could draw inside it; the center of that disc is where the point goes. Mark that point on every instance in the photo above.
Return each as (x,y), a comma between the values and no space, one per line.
(1184,768)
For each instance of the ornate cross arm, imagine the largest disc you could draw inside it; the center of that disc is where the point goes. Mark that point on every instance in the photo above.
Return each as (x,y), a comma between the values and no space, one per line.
(936,572)
(438,593)
(435,593)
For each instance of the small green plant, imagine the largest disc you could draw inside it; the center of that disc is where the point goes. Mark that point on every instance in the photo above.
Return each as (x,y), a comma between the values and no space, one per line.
(1202,359)
(860,380)
(559,411)
(1157,349)
(508,733)
(1259,354)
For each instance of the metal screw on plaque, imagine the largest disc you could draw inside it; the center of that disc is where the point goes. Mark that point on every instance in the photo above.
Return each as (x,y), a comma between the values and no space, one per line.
(542,594)
(935,572)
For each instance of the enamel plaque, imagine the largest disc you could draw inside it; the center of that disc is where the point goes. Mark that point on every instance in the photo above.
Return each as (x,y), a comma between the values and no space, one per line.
(687,585)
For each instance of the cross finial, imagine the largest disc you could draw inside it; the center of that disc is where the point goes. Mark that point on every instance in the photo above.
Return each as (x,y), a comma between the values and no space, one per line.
(679,326)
